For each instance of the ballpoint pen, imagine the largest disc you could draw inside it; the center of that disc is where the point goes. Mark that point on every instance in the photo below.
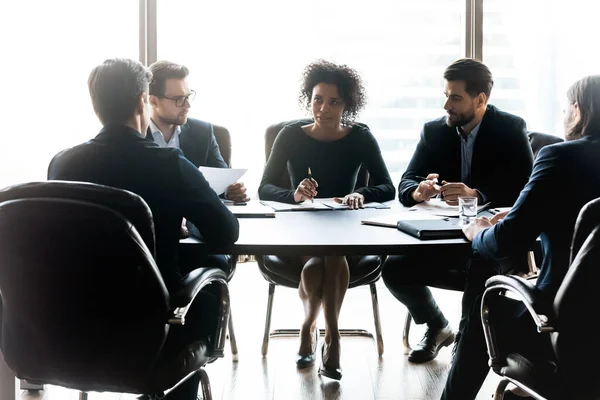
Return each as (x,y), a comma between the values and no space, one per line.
(309,177)
(439,183)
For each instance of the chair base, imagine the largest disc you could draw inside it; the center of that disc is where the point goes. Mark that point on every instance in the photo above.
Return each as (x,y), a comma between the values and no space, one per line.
(405,333)
(343,332)
(232,341)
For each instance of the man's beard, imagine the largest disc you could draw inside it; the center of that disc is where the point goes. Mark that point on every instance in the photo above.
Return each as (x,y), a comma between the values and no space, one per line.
(179,120)
(459,119)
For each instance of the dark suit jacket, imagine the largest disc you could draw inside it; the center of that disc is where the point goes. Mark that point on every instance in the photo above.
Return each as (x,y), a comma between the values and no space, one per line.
(198,143)
(565,177)
(501,164)
(173,188)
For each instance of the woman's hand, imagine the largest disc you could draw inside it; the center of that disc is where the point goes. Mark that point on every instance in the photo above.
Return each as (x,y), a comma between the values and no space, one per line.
(306,190)
(353,200)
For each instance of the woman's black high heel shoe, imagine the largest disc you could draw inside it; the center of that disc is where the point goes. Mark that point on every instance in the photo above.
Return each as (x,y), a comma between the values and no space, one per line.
(329,372)
(308,360)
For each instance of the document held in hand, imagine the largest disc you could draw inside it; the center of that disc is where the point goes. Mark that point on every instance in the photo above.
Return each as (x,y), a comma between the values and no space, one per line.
(220,178)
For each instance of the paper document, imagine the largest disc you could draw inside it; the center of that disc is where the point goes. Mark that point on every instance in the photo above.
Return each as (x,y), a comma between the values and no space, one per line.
(251,209)
(220,178)
(330,202)
(392,220)
(304,206)
(439,207)
(318,204)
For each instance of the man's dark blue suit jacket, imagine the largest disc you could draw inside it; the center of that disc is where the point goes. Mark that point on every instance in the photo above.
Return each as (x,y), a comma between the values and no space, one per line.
(501,164)
(198,143)
(565,177)
(172,186)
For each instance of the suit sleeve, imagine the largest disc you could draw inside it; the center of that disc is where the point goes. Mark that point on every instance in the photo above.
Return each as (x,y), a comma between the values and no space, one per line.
(420,164)
(203,208)
(529,217)
(214,158)
(382,188)
(277,162)
(517,164)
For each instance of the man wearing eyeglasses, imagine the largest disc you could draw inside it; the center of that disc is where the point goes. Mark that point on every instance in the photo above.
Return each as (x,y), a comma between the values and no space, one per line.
(170,99)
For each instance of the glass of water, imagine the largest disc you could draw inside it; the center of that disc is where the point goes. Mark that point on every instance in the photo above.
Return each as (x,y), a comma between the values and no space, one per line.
(467,209)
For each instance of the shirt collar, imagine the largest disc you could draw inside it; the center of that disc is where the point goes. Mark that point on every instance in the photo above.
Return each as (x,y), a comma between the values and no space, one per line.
(473,133)
(155,129)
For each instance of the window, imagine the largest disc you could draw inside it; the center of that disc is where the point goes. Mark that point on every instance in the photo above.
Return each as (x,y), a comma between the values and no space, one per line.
(246,64)
(536,49)
(49,48)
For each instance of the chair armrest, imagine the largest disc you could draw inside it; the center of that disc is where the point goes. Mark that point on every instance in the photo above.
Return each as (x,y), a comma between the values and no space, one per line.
(182,300)
(539,309)
(191,285)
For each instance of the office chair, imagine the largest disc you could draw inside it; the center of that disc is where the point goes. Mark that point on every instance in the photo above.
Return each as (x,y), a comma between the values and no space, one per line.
(454,279)
(83,304)
(188,258)
(568,371)
(274,269)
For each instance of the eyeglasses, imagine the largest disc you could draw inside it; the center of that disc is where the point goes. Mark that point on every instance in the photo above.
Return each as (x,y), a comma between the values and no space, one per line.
(180,100)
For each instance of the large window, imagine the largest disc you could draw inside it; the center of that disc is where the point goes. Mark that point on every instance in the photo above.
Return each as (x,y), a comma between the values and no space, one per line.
(536,49)
(48,50)
(246,63)
(246,60)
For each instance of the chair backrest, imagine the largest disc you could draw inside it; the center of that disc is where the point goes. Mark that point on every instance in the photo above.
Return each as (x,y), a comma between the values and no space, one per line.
(575,304)
(538,140)
(83,301)
(224,141)
(284,181)
(129,204)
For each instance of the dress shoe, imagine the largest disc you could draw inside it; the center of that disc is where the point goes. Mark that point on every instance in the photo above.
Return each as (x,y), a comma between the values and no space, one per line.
(430,345)
(327,371)
(308,360)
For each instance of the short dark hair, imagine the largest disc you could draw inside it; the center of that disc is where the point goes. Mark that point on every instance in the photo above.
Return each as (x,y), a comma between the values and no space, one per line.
(475,74)
(163,70)
(347,81)
(115,88)
(586,93)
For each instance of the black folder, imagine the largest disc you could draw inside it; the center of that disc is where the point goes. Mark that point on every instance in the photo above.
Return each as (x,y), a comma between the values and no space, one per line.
(432,228)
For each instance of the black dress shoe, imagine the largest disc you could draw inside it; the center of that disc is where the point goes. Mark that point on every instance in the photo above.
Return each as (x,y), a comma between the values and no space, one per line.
(429,347)
(308,360)
(325,370)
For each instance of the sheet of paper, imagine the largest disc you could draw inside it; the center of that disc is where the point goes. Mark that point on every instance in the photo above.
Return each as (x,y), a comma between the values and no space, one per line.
(304,206)
(251,209)
(439,207)
(220,178)
(329,202)
(392,220)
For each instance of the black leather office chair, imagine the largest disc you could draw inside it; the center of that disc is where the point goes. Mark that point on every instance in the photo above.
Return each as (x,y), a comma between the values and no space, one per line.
(275,270)
(83,304)
(569,371)
(455,279)
(188,257)
(224,141)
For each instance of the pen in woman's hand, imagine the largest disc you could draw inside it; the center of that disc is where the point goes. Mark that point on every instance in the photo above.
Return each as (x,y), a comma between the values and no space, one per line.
(309,177)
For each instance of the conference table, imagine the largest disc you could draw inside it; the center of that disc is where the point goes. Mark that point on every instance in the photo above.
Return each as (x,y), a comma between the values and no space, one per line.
(323,232)
(316,233)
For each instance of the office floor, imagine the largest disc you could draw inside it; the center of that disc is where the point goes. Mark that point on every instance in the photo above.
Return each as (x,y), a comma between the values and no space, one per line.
(365,375)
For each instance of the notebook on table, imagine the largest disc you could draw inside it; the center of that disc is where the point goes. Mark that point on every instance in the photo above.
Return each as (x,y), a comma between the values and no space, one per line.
(432,228)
